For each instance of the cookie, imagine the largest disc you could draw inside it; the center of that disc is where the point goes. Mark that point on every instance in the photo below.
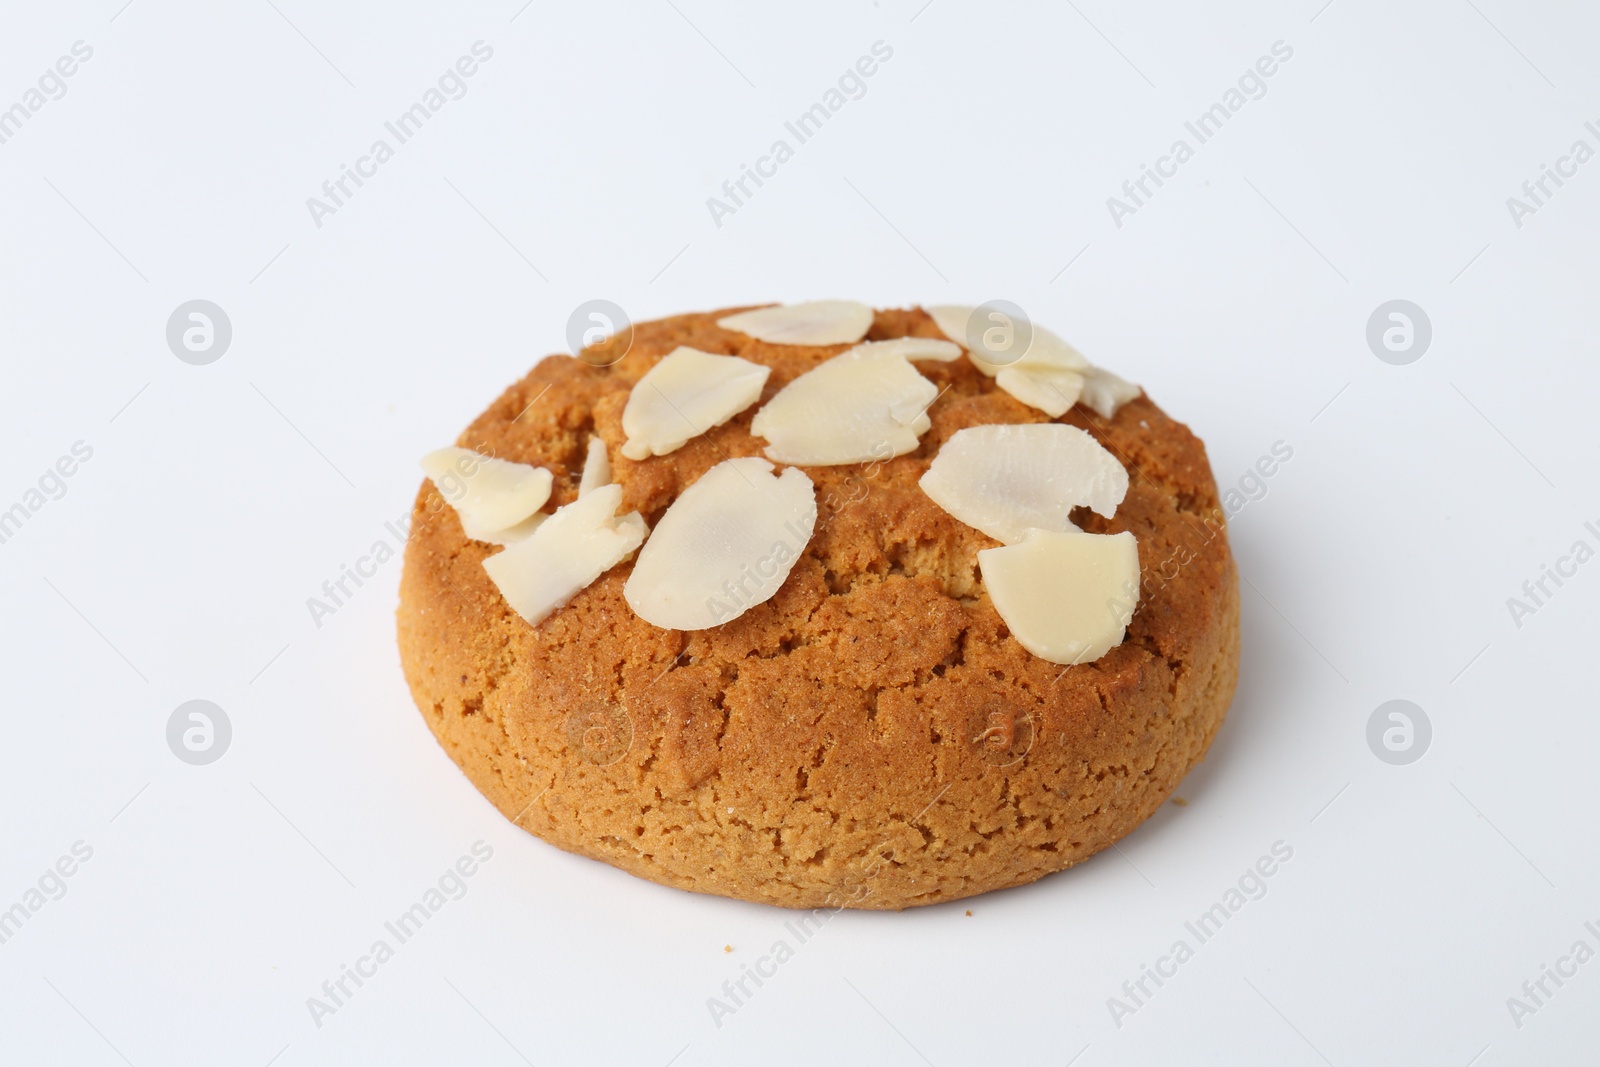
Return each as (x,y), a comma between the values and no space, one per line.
(872,734)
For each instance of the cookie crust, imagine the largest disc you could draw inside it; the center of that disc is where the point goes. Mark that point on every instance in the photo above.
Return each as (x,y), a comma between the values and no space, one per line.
(870,737)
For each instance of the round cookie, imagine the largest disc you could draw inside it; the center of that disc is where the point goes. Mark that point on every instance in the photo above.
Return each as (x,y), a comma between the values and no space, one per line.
(870,737)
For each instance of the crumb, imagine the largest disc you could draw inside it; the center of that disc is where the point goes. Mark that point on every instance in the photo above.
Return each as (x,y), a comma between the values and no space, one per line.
(969,911)
(729,948)
(1182,803)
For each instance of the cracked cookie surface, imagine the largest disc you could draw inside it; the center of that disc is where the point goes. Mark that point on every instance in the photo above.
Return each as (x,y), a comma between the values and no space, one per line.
(871,736)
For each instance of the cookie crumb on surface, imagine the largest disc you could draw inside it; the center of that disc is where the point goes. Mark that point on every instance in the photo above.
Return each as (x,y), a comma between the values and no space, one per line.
(1180,801)
(729,948)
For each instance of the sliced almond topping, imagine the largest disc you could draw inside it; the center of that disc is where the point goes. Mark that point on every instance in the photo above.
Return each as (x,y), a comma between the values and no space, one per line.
(1046,351)
(489,495)
(725,545)
(1050,350)
(996,327)
(1066,596)
(914,348)
(952,320)
(1005,480)
(683,396)
(863,404)
(818,322)
(1049,389)
(567,552)
(1104,392)
(512,534)
(596,467)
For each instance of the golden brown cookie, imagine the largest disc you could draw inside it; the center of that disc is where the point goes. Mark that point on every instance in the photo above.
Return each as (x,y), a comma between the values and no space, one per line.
(872,736)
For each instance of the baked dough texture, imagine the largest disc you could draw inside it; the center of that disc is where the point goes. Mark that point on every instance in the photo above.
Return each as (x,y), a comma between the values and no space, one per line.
(871,736)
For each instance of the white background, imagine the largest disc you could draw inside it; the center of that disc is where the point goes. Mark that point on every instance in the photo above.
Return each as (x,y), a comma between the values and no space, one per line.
(219,498)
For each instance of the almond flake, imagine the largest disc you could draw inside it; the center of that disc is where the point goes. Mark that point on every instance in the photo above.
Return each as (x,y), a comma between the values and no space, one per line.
(864,404)
(1104,392)
(952,320)
(915,348)
(596,467)
(1049,389)
(512,534)
(725,545)
(1066,596)
(1045,348)
(818,322)
(489,495)
(567,552)
(1046,351)
(1006,480)
(1049,350)
(683,396)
